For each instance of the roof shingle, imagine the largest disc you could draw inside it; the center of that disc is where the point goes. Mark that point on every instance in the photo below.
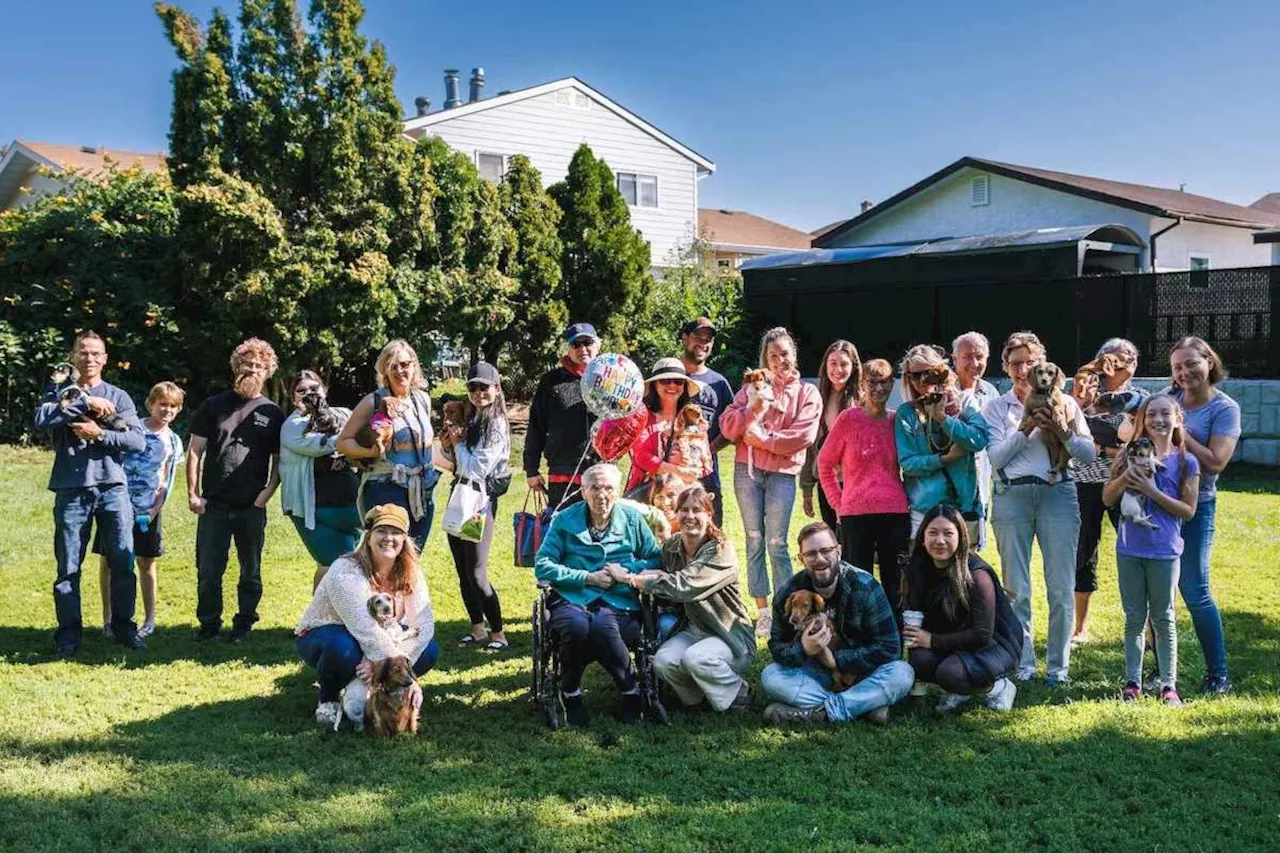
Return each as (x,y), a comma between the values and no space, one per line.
(738,228)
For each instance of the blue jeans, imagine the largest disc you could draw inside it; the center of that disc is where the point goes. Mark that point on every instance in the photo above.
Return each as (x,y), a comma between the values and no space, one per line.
(333,653)
(1050,514)
(337,531)
(765,499)
(809,686)
(1193,583)
(74,513)
(378,492)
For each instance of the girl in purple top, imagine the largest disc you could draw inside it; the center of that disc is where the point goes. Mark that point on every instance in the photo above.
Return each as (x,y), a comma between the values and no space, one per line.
(1147,556)
(1212,429)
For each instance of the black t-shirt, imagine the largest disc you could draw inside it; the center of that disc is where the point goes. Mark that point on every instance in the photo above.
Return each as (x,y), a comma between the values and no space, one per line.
(243,435)
(336,481)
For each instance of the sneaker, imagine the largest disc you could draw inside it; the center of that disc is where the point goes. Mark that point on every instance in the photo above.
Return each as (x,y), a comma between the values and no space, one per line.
(1131,693)
(208,632)
(950,703)
(237,634)
(741,702)
(130,640)
(1056,680)
(1001,695)
(1026,673)
(108,633)
(632,708)
(876,716)
(146,629)
(329,715)
(764,624)
(67,649)
(1216,685)
(919,688)
(1170,697)
(575,710)
(779,713)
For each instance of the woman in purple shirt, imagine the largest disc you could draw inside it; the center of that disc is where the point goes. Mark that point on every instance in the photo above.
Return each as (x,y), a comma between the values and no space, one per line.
(1212,429)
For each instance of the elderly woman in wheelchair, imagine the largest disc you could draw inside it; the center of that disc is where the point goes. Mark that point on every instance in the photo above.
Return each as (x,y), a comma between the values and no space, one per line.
(588,614)
(715,644)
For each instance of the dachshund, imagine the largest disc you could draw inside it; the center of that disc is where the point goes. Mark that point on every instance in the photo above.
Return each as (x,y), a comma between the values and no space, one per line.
(806,611)
(1139,455)
(381,426)
(758,383)
(390,709)
(691,449)
(453,415)
(1047,381)
(940,378)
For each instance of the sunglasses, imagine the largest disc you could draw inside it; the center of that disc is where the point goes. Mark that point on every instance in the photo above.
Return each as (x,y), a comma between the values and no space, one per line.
(670,381)
(581,342)
(472,389)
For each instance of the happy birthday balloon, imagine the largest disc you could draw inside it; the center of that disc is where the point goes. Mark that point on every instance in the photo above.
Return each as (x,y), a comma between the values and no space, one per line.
(612,386)
(613,438)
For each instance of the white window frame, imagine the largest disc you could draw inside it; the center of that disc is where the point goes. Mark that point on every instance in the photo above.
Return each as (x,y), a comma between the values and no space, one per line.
(506,162)
(635,177)
(1192,257)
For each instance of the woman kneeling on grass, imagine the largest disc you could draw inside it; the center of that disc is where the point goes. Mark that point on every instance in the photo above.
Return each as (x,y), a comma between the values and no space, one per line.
(338,635)
(716,642)
(1147,555)
(969,639)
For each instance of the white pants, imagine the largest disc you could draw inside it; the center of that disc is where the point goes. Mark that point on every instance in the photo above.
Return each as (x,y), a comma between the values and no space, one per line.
(698,664)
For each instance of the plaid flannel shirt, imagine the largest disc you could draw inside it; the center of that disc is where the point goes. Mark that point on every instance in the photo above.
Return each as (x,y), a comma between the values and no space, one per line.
(860,614)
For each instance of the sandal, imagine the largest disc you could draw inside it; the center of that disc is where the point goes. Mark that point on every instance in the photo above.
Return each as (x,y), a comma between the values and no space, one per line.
(495,646)
(469,640)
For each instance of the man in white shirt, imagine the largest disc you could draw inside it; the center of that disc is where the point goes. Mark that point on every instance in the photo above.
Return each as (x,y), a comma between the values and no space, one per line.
(969,353)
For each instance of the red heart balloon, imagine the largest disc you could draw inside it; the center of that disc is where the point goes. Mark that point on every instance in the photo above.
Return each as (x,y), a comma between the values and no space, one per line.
(612,439)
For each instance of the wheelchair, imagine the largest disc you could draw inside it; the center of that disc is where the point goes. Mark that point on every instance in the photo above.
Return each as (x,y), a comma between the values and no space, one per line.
(544,692)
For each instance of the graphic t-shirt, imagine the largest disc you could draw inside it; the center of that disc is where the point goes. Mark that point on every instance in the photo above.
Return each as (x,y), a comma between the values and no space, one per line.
(152,468)
(243,435)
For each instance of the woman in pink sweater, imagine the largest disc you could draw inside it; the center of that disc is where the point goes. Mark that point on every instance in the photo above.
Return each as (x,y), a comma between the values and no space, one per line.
(858,469)
(772,438)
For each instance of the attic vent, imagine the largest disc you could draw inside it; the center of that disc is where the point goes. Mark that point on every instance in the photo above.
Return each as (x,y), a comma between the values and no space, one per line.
(89,149)
(573,100)
(980,191)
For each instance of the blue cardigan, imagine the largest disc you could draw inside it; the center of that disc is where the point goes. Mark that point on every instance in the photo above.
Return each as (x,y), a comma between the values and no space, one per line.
(922,465)
(567,554)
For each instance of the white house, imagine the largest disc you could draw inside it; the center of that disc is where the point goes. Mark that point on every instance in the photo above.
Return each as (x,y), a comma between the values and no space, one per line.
(657,174)
(29,170)
(974,197)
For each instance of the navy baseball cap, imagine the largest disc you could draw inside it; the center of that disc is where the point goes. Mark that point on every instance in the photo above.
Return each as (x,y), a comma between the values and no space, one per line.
(483,372)
(580,330)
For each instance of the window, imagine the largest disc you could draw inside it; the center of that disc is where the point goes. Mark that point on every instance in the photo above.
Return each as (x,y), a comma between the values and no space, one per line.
(724,264)
(638,190)
(980,191)
(491,166)
(1199,265)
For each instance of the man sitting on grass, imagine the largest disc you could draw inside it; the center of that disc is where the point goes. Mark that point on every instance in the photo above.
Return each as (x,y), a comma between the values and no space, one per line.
(860,640)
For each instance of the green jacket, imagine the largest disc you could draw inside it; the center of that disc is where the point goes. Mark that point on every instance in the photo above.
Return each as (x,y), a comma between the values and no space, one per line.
(568,554)
(707,586)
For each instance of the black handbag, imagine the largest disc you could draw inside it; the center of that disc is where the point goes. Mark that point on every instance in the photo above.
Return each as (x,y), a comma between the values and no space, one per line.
(498,481)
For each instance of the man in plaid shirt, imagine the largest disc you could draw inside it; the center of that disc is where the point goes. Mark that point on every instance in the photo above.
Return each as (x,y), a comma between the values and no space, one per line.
(800,678)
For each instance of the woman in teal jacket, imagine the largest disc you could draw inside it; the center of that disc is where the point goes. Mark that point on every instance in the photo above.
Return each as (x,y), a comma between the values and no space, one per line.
(937,435)
(593,617)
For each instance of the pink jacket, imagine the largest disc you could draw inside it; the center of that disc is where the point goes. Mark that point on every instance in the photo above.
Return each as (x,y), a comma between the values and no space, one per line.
(866,453)
(790,425)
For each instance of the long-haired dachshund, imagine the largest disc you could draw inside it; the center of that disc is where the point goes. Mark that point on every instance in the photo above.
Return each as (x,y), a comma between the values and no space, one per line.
(806,611)
(1047,381)
(391,708)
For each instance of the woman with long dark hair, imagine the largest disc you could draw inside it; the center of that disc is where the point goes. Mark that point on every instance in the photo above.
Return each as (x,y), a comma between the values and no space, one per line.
(839,386)
(667,390)
(969,639)
(480,450)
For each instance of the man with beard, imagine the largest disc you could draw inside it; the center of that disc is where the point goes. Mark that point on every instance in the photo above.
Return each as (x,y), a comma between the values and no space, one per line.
(698,337)
(805,659)
(89,485)
(237,436)
(560,423)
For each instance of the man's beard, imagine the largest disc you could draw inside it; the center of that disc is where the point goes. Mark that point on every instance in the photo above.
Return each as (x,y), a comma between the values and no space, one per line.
(695,357)
(249,385)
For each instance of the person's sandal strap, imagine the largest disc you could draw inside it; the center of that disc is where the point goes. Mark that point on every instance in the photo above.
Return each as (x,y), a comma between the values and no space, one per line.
(496,646)
(468,640)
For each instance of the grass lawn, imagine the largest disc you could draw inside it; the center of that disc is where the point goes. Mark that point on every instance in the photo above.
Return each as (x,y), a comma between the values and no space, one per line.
(212,747)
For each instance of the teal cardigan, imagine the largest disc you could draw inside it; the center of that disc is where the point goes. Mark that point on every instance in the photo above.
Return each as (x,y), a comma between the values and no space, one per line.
(567,554)
(922,465)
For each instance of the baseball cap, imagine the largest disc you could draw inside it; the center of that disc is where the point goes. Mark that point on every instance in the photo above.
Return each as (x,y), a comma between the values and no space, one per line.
(698,324)
(580,330)
(483,371)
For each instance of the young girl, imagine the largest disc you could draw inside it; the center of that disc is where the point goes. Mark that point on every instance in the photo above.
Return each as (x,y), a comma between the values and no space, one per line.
(150,475)
(1147,558)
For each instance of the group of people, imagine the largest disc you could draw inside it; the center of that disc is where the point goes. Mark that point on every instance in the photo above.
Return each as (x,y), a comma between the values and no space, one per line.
(907,494)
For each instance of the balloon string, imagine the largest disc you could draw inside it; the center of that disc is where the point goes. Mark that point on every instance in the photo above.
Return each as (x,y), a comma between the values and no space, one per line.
(569,492)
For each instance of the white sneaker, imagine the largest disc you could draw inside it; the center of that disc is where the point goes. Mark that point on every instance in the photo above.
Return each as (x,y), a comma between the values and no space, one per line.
(1000,696)
(353,701)
(329,715)
(1026,673)
(764,624)
(146,629)
(950,703)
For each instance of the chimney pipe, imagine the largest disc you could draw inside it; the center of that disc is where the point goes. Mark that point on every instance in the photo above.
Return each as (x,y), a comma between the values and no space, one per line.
(866,205)
(423,103)
(477,83)
(451,98)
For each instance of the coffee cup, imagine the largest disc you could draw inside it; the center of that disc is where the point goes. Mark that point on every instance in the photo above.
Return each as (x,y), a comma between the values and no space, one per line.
(914,618)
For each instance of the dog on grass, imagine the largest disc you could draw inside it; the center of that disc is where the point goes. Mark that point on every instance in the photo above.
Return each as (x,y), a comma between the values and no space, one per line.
(1140,456)
(392,707)
(1047,382)
(806,611)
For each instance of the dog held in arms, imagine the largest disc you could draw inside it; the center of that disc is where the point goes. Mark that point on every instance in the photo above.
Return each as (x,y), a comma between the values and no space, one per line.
(759,385)
(690,449)
(64,378)
(806,611)
(1139,455)
(1047,382)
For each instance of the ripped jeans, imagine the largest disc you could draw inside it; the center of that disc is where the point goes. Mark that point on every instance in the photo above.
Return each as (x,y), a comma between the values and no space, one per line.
(765,499)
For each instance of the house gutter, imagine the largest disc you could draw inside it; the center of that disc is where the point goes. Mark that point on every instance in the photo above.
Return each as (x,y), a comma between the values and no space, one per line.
(1157,234)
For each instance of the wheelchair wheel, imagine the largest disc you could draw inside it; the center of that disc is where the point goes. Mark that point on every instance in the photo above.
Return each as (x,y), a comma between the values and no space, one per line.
(655,711)
(537,638)
(550,704)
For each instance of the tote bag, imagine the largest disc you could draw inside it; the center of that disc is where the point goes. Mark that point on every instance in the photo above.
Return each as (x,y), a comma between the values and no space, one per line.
(467,511)
(529,529)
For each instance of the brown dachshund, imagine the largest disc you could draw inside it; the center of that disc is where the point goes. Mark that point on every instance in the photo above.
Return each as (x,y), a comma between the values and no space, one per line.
(453,415)
(390,709)
(806,611)
(1047,381)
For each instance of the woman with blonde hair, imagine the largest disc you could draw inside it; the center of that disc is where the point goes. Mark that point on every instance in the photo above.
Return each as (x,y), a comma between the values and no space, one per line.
(839,386)
(398,470)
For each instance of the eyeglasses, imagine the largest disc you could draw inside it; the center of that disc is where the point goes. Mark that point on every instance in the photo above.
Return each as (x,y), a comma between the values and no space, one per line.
(392,532)
(880,383)
(823,553)
(581,342)
(916,375)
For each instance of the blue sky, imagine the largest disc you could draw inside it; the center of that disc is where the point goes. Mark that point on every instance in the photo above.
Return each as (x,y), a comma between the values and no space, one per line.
(806,108)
